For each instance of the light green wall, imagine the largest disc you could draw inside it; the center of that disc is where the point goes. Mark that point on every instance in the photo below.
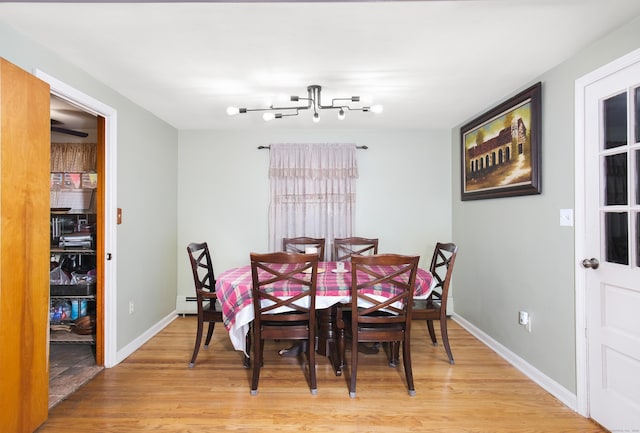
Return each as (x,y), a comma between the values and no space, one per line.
(146,188)
(403,191)
(514,255)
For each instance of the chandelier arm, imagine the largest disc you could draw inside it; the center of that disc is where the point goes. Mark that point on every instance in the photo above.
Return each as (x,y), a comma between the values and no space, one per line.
(309,103)
(272,108)
(333,103)
(302,107)
(288,114)
(350,108)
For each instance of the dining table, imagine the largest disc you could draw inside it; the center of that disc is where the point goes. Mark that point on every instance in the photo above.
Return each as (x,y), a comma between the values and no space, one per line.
(333,287)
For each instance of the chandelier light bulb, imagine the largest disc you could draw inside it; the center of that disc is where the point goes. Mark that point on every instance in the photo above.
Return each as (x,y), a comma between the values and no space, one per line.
(377,108)
(268,116)
(316,117)
(232,111)
(341,114)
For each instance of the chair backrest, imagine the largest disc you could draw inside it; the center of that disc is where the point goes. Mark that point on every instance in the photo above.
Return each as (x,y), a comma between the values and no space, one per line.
(343,248)
(281,282)
(382,284)
(202,269)
(444,257)
(298,245)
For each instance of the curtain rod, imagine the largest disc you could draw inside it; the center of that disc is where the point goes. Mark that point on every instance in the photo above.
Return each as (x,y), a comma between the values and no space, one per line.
(269,147)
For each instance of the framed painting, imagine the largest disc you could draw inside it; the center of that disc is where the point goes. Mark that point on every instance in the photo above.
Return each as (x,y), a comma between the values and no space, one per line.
(501,149)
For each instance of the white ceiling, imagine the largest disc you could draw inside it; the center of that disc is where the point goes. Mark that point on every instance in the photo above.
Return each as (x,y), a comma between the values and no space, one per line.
(432,64)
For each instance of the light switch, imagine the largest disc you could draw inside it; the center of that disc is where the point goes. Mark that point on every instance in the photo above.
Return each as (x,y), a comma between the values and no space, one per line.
(566,217)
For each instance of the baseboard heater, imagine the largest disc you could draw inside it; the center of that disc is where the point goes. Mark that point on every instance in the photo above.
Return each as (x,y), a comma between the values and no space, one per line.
(189,305)
(186,305)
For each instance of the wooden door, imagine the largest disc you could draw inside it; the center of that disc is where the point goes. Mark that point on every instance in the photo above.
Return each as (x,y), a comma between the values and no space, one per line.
(612,241)
(101,233)
(24,249)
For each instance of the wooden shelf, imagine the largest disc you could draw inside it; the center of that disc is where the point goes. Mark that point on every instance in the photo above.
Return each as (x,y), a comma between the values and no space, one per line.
(73,212)
(64,222)
(73,250)
(64,337)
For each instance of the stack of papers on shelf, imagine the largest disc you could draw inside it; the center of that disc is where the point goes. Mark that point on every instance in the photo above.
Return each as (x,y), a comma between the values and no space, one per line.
(78,240)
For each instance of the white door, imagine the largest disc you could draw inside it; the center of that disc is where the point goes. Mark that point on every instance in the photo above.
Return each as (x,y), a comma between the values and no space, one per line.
(612,248)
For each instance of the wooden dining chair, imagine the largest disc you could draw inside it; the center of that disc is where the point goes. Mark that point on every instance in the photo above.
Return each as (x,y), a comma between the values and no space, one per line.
(284,301)
(382,289)
(343,248)
(298,245)
(435,306)
(209,310)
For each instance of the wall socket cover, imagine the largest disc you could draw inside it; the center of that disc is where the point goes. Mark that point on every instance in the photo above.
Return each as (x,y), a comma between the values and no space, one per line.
(523,318)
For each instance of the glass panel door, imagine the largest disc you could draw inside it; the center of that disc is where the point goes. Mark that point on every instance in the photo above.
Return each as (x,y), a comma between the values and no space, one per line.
(620,165)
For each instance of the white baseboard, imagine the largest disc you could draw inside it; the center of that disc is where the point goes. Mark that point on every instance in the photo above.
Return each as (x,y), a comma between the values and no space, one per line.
(123,353)
(551,386)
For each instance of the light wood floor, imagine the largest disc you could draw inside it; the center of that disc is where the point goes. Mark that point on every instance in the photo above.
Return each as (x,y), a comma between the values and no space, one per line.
(153,390)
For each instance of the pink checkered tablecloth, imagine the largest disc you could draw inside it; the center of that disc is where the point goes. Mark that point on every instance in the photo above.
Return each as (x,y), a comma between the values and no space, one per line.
(234,292)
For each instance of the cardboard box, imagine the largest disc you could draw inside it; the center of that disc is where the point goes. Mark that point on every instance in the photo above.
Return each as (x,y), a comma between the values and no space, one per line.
(89,180)
(72,180)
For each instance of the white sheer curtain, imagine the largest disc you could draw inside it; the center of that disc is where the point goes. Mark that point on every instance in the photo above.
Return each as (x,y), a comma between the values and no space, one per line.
(312,192)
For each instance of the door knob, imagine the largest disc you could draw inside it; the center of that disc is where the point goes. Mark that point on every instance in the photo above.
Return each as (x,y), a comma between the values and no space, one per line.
(592,263)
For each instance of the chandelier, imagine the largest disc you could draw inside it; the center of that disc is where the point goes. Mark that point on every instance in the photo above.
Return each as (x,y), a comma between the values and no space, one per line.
(314,101)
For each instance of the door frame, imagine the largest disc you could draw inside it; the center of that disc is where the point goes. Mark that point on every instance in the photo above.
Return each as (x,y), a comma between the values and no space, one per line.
(581,84)
(109,266)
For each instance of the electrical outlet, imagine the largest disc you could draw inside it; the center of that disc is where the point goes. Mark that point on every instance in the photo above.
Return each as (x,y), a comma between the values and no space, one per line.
(130,307)
(523,318)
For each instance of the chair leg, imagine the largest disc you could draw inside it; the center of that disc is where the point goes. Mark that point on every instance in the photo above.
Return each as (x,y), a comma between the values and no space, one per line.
(406,357)
(354,365)
(445,339)
(196,348)
(246,363)
(432,332)
(394,353)
(257,364)
(340,335)
(341,347)
(311,359)
(209,334)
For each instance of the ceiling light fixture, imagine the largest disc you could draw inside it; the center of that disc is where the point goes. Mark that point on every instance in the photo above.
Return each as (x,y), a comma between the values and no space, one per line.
(313,101)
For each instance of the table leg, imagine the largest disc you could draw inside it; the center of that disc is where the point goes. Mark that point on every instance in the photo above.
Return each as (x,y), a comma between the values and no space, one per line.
(325,336)
(329,338)
(325,332)
(294,350)
(369,350)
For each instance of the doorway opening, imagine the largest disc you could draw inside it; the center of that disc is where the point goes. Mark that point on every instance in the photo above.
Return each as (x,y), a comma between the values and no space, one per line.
(74,239)
(106,350)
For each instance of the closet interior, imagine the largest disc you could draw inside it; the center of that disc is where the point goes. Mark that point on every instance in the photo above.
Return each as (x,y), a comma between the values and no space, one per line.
(73,236)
